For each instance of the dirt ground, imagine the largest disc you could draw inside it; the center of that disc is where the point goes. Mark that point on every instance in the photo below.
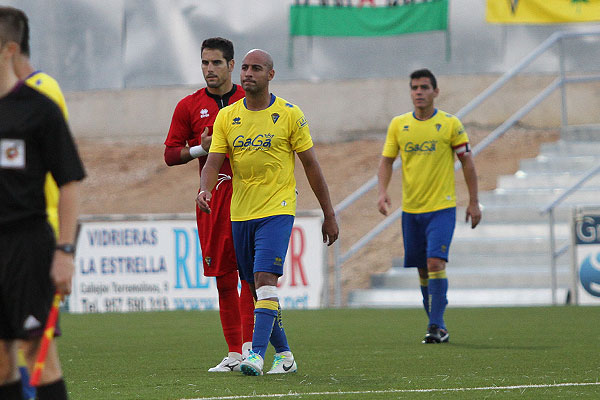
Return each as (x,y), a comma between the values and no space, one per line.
(132,178)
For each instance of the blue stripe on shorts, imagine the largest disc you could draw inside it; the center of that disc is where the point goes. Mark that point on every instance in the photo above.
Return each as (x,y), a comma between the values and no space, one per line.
(261,244)
(427,235)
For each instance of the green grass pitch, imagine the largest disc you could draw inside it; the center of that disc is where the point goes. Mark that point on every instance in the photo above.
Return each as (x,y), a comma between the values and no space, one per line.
(341,354)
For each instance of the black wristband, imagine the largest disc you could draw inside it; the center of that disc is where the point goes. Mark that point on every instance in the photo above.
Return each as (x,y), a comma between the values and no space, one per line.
(66,248)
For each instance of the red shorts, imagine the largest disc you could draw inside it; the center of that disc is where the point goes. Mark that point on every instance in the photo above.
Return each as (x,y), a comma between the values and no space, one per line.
(214,231)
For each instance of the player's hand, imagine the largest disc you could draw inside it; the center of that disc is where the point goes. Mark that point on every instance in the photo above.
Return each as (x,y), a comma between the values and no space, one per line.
(383,203)
(205,140)
(330,230)
(202,200)
(62,271)
(474,213)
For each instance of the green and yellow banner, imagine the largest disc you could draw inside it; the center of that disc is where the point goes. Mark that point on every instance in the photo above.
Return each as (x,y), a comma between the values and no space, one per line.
(315,20)
(542,11)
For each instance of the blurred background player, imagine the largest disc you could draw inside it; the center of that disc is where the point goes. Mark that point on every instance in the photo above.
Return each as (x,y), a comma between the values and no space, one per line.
(427,140)
(48,86)
(35,140)
(189,137)
(261,134)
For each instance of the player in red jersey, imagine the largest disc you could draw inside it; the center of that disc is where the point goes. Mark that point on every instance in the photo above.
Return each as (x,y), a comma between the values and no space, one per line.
(190,137)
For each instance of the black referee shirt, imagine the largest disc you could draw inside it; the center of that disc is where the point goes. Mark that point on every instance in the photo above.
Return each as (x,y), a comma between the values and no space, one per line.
(34,140)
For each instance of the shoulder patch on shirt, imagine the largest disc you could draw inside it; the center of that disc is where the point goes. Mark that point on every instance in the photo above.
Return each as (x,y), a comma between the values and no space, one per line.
(301,121)
(289,105)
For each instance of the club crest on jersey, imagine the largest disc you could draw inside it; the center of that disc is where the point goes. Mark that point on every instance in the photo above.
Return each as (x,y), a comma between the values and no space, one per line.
(204,113)
(438,127)
(236,121)
(274,117)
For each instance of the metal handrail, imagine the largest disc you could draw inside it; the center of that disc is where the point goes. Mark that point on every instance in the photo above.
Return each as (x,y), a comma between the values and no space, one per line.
(549,209)
(340,258)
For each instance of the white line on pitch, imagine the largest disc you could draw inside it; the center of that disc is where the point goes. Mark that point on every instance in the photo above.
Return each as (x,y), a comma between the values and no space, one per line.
(282,395)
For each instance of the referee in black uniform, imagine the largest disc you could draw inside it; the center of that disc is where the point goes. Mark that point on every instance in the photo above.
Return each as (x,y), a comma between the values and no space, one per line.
(34,139)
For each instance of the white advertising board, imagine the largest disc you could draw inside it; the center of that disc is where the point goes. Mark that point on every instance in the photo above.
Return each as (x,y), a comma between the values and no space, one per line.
(586,260)
(150,265)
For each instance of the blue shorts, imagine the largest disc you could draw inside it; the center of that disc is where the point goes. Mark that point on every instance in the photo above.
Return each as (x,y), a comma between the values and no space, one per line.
(427,235)
(261,244)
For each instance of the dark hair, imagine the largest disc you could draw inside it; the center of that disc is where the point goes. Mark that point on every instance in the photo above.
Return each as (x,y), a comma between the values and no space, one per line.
(424,73)
(219,43)
(14,26)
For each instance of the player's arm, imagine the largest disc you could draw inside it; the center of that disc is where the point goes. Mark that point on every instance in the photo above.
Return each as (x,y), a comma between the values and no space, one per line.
(176,155)
(68,210)
(318,185)
(384,175)
(208,180)
(468,167)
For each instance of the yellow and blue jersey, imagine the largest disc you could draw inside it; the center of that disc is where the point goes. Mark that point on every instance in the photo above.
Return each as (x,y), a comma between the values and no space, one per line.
(48,86)
(261,146)
(427,152)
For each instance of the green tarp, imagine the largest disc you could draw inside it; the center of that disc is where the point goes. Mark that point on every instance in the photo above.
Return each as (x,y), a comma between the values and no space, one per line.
(368,21)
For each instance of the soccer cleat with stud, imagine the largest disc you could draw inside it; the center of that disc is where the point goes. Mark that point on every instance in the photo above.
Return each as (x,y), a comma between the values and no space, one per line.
(436,335)
(252,365)
(229,364)
(283,363)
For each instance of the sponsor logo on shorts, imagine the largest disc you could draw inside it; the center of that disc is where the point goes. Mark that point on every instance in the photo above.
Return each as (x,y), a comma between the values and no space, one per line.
(278,261)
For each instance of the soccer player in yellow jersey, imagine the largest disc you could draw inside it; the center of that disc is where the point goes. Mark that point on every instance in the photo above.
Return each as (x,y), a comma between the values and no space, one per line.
(262,133)
(426,140)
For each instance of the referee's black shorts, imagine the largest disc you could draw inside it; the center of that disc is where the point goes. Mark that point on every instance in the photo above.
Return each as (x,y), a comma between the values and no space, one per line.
(26,289)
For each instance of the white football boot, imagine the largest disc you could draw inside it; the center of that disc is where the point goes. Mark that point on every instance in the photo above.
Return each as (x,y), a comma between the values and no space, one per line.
(283,363)
(229,364)
(252,365)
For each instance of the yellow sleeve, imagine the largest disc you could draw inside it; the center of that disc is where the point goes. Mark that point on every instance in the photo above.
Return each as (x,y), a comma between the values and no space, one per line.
(219,136)
(390,147)
(459,135)
(300,138)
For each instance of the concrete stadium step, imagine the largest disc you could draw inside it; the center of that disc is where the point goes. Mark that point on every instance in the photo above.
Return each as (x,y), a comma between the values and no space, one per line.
(488,276)
(559,164)
(516,214)
(486,297)
(581,133)
(542,197)
(565,148)
(545,181)
(500,231)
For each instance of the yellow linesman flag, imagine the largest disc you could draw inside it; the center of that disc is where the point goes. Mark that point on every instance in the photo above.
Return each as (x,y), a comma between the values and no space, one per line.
(542,11)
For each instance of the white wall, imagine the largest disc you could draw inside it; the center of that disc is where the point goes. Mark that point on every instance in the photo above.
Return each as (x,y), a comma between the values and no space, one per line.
(336,110)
